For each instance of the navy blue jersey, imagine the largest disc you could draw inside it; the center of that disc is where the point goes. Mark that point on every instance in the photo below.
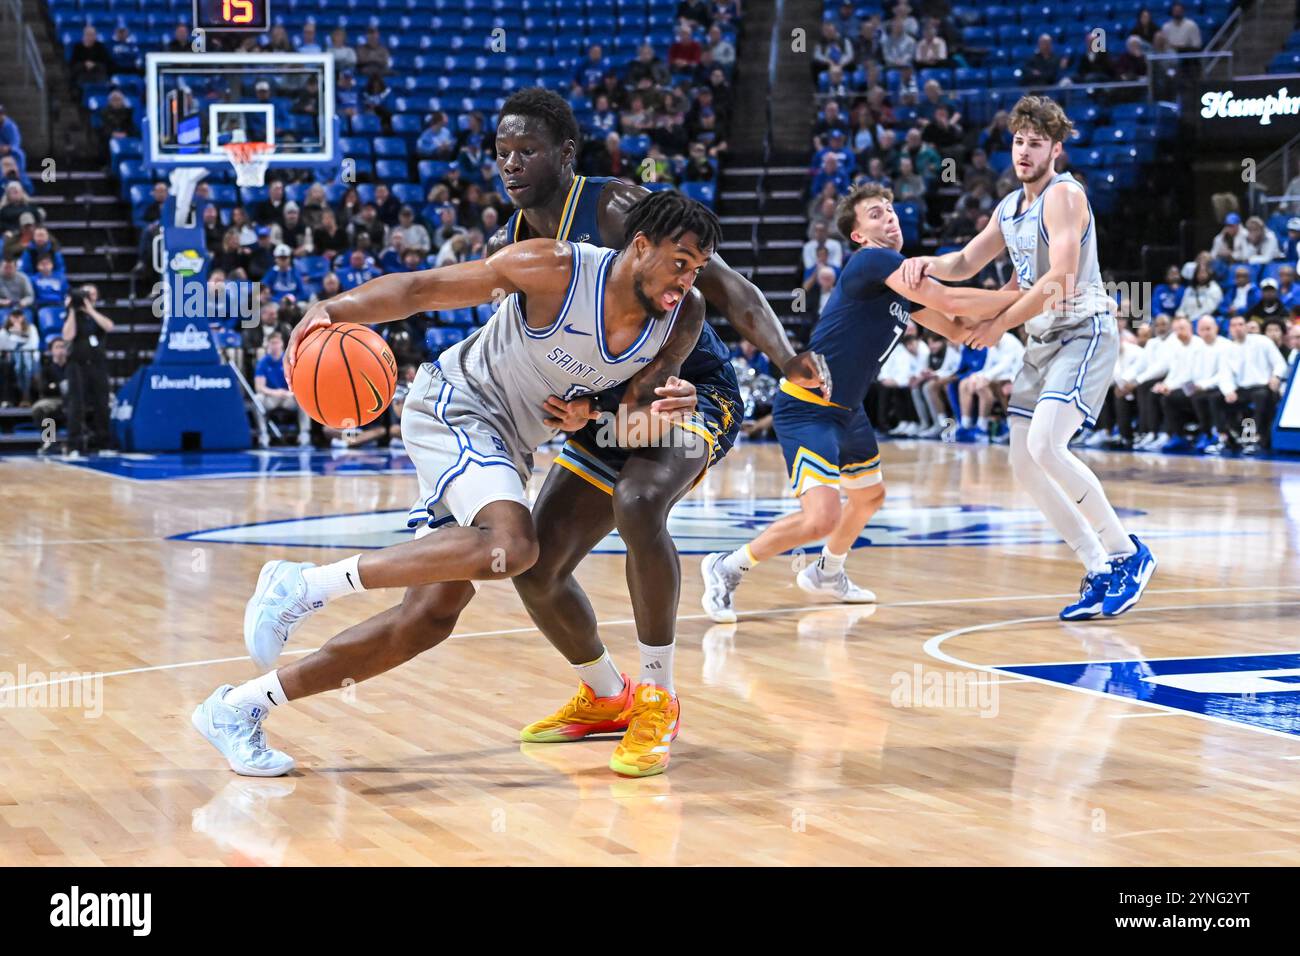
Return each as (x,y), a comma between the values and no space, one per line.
(860,326)
(579,223)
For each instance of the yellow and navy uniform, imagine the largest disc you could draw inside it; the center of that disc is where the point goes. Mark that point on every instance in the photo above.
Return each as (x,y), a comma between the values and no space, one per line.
(832,442)
(719,410)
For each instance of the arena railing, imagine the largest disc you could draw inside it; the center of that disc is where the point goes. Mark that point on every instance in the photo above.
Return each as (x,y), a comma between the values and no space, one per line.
(31,69)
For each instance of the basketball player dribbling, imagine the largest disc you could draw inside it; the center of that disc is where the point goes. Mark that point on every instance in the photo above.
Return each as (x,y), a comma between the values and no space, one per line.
(1047,228)
(828,445)
(598,486)
(574,318)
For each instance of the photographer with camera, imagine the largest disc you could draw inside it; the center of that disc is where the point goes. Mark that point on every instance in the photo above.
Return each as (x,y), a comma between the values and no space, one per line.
(85,330)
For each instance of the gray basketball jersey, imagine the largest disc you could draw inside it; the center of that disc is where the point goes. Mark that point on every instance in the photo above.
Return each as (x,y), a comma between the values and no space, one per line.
(1027,244)
(510,369)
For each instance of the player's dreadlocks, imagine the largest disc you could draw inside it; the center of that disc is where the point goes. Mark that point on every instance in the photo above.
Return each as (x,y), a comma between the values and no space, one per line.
(549,107)
(666,214)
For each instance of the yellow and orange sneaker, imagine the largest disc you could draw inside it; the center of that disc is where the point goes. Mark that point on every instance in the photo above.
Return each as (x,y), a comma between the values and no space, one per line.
(584,714)
(653,721)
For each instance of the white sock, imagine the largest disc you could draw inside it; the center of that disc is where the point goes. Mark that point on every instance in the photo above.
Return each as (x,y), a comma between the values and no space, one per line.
(982,424)
(329,581)
(657,666)
(257,696)
(831,564)
(967,421)
(740,560)
(1091,554)
(601,676)
(1059,511)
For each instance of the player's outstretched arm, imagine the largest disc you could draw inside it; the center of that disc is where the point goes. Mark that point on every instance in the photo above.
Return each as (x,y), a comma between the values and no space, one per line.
(744,305)
(540,265)
(953,300)
(959,265)
(936,321)
(749,313)
(656,397)
(1064,212)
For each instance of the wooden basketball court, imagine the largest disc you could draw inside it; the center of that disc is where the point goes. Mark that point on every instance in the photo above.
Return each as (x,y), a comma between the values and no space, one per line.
(917,732)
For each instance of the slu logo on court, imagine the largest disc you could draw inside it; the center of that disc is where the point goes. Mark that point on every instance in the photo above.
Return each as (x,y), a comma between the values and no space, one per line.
(1258,691)
(697,526)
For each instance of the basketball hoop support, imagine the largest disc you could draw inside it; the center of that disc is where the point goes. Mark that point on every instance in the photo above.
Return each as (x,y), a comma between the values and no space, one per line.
(184,180)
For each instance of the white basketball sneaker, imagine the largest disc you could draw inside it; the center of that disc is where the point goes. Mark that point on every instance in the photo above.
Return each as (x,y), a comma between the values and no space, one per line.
(719,588)
(815,581)
(275,610)
(237,734)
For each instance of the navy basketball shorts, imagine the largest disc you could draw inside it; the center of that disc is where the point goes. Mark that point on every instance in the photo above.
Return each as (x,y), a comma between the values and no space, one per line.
(716,419)
(825,444)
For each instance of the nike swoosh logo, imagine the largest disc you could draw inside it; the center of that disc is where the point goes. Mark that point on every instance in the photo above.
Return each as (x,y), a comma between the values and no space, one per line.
(348,575)
(1080,501)
(570,328)
(270,696)
(374,393)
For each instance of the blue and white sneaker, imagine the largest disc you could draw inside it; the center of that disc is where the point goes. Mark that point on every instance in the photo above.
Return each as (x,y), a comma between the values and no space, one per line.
(968,436)
(275,610)
(1092,597)
(1129,577)
(238,735)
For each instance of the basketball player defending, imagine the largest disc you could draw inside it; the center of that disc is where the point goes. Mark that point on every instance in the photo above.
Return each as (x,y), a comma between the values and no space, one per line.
(831,445)
(1047,228)
(574,319)
(598,486)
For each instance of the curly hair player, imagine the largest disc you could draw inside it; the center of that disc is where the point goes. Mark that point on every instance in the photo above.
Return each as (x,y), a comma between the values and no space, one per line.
(1047,228)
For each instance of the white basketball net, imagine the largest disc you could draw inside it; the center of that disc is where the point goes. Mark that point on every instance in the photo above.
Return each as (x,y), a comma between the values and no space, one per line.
(250,161)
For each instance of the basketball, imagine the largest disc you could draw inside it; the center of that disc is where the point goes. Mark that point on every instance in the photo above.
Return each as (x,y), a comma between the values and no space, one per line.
(344,375)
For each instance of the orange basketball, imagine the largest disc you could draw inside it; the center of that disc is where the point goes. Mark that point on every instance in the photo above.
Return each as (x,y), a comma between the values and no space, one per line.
(344,375)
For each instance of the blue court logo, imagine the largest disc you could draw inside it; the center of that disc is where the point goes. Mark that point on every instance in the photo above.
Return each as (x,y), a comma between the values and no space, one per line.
(698,526)
(1259,691)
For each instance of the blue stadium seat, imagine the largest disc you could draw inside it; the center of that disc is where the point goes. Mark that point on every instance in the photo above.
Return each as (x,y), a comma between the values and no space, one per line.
(365,124)
(636,146)
(410,194)
(1005,75)
(125,147)
(458,318)
(394,170)
(223,194)
(909,220)
(251,195)
(432,170)
(700,192)
(408,125)
(391,147)
(50,319)
(437,339)
(356,147)
(131,171)
(312,267)
(945,77)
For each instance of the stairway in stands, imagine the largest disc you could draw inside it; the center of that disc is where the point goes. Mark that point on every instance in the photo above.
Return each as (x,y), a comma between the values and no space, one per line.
(94,231)
(763,211)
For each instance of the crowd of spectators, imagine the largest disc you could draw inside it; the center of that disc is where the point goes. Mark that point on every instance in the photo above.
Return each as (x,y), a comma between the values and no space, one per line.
(658,117)
(1239,299)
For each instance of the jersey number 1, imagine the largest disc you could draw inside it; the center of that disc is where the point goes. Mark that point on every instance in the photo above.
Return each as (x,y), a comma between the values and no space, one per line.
(898,334)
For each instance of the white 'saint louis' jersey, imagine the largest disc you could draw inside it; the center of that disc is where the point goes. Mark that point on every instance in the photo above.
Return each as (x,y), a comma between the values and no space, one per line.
(511,369)
(1028,244)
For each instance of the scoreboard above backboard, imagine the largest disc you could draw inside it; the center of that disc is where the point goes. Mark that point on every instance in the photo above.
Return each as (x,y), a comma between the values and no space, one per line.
(224,16)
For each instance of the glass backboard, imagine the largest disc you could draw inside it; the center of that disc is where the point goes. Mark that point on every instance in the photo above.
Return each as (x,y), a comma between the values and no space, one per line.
(198,102)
